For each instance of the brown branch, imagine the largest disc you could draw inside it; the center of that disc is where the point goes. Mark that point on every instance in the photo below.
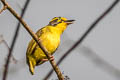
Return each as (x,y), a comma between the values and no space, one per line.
(13,41)
(92,26)
(53,63)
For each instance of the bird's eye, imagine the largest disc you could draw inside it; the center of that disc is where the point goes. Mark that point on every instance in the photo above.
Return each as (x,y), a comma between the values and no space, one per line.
(54,22)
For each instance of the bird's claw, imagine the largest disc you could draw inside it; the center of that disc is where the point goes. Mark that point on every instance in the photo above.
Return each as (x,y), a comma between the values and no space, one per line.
(51,59)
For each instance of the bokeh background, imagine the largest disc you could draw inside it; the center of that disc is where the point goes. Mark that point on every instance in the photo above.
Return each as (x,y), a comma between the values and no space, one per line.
(96,59)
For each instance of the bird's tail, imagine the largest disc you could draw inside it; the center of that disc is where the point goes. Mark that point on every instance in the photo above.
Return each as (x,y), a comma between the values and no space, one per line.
(31,67)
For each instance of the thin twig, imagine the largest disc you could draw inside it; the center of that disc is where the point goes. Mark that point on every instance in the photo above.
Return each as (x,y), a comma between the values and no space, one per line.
(34,36)
(93,57)
(2,40)
(3,8)
(92,26)
(13,41)
(13,58)
(99,61)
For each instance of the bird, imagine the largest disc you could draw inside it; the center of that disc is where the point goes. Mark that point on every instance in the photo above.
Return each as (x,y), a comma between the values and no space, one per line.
(50,39)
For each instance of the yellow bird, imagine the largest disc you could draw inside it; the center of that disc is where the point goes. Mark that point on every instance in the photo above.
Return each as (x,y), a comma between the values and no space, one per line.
(50,38)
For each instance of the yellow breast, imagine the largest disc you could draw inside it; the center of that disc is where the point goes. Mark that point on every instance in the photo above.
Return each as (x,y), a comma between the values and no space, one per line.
(50,41)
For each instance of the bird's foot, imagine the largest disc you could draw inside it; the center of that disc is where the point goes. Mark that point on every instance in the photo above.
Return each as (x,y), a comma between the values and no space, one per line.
(51,59)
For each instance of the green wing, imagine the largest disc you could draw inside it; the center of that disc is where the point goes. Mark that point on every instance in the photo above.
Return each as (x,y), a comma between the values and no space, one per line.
(32,44)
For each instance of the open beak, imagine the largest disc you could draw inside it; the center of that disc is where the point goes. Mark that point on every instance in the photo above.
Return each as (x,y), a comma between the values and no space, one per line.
(69,21)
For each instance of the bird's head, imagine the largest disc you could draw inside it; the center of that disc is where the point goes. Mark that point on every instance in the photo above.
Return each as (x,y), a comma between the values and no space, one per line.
(60,21)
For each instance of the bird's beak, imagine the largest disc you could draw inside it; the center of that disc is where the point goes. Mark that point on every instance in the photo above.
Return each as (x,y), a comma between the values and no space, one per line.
(69,21)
